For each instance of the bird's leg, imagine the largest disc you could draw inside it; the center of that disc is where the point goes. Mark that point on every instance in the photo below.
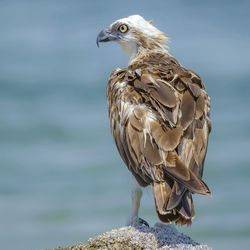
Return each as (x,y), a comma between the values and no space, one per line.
(136,195)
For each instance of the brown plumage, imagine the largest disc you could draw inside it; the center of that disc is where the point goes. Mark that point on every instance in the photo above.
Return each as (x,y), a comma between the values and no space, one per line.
(159,116)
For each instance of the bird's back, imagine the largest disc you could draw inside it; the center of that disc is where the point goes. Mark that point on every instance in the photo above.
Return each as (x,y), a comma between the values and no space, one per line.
(159,115)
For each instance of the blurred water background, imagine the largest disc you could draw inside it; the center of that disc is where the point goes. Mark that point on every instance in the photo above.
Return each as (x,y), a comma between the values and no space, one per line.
(61,178)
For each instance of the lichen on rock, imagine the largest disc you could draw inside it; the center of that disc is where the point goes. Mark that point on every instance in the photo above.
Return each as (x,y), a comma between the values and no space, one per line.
(139,236)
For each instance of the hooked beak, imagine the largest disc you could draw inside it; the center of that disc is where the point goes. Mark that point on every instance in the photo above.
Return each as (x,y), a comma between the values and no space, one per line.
(106,36)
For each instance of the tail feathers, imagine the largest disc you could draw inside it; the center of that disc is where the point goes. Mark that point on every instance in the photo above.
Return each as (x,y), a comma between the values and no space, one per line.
(177,207)
(162,192)
(175,196)
(184,175)
(186,207)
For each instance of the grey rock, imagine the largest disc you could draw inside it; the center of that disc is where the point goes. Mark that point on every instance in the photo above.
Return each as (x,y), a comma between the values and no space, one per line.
(140,236)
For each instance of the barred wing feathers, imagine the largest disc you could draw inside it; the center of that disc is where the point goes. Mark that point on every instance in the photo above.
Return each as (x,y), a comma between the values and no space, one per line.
(159,115)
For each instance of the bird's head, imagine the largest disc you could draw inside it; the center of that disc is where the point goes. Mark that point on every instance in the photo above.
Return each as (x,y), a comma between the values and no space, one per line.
(134,34)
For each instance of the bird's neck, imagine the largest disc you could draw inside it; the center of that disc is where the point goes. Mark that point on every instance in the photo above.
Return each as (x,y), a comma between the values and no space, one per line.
(130,48)
(134,49)
(144,52)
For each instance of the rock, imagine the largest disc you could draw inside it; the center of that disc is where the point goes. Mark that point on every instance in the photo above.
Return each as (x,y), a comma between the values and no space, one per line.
(140,236)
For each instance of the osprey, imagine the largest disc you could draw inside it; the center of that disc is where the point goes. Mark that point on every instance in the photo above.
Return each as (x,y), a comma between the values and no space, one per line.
(159,117)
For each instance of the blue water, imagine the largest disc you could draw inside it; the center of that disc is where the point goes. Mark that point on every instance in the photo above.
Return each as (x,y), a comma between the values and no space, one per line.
(61,178)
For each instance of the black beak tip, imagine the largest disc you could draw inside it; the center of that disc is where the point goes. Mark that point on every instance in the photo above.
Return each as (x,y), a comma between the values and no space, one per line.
(105,36)
(101,37)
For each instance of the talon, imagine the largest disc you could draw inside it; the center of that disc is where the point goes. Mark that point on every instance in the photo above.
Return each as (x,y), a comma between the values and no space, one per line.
(136,222)
(141,221)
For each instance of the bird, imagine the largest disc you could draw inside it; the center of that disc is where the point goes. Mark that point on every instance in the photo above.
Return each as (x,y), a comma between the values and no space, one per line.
(159,115)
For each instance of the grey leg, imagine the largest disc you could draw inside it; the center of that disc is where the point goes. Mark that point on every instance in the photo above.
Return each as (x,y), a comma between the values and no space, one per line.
(136,195)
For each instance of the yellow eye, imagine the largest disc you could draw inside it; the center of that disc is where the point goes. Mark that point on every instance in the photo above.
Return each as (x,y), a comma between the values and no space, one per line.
(123,28)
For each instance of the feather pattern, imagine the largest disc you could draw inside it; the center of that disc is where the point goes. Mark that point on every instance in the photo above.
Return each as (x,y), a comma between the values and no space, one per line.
(159,116)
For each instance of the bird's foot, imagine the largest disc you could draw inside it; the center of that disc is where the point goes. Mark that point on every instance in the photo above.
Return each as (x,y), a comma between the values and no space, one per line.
(143,222)
(135,221)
